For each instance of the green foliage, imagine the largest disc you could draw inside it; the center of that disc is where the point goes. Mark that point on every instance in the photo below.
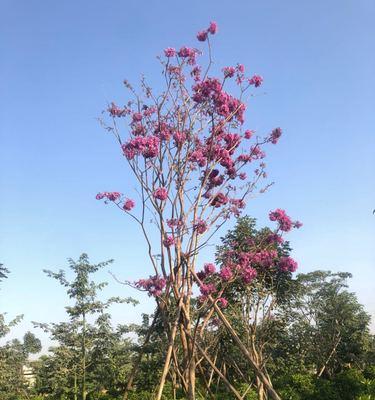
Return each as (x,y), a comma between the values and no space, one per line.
(3,272)
(349,384)
(91,358)
(13,357)
(295,386)
(316,346)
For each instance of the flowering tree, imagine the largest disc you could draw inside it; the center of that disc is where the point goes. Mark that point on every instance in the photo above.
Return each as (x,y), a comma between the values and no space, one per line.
(251,284)
(195,165)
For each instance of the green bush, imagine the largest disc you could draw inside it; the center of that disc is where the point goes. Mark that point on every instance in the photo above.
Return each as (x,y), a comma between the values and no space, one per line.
(349,384)
(296,387)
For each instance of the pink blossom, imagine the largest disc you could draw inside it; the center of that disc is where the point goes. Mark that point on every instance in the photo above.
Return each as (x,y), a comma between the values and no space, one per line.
(226,273)
(111,196)
(116,111)
(209,268)
(275,135)
(201,275)
(212,28)
(238,203)
(257,153)
(275,238)
(219,200)
(229,72)
(146,146)
(223,302)
(202,36)
(154,285)
(214,179)
(137,117)
(138,129)
(179,138)
(163,131)
(186,52)
(160,193)
(200,226)
(196,73)
(248,274)
(256,80)
(128,204)
(174,223)
(175,70)
(189,53)
(168,241)
(148,111)
(198,157)
(151,147)
(248,134)
(288,264)
(232,141)
(284,221)
(170,52)
(225,105)
(240,68)
(263,258)
(207,289)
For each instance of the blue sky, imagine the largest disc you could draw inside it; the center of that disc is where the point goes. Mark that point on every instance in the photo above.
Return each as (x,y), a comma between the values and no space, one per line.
(63,61)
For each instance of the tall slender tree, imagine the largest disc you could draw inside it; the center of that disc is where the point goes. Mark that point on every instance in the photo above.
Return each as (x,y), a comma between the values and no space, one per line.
(78,337)
(191,157)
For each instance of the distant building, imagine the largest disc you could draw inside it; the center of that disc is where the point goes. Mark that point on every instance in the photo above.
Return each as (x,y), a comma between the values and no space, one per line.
(28,374)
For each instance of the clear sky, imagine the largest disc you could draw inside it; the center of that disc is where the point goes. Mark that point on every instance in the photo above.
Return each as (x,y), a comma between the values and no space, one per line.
(62,61)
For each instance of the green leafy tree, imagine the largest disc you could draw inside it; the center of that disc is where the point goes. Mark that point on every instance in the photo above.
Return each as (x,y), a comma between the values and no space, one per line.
(13,358)
(326,330)
(79,338)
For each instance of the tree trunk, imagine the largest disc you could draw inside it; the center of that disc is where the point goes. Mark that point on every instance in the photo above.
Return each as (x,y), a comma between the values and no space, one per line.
(75,386)
(169,352)
(84,357)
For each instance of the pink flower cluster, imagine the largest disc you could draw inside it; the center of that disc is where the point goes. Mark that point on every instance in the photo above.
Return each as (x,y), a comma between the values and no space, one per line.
(154,285)
(219,200)
(169,52)
(168,241)
(287,264)
(249,134)
(256,80)
(221,103)
(128,205)
(229,72)
(208,270)
(212,29)
(207,289)
(189,54)
(275,238)
(147,146)
(111,196)
(160,194)
(275,135)
(223,302)
(284,221)
(263,258)
(179,138)
(226,273)
(248,275)
(200,226)
(116,111)
(175,223)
